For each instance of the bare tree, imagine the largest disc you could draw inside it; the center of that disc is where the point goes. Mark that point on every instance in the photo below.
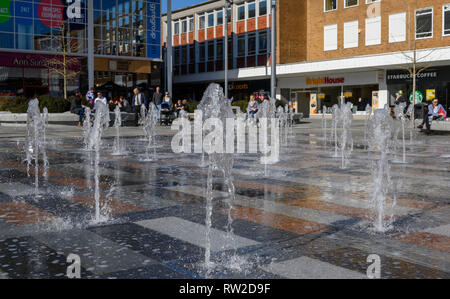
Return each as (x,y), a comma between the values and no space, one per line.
(415,58)
(63,63)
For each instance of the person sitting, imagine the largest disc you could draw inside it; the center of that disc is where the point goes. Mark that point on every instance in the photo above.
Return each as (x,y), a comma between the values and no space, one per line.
(252,107)
(76,107)
(166,104)
(179,107)
(435,112)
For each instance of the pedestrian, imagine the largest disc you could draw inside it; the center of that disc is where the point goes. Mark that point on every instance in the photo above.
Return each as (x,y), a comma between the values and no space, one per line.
(100,98)
(76,107)
(139,99)
(157,100)
(90,96)
(123,104)
(252,107)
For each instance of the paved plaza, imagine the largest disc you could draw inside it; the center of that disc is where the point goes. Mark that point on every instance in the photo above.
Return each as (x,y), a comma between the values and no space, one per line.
(304,217)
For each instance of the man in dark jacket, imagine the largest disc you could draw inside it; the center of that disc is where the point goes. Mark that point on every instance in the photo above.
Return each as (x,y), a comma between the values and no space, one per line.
(76,107)
(157,99)
(139,99)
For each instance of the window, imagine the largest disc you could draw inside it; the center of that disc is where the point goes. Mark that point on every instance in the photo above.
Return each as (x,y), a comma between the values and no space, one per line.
(201,52)
(330,5)
(351,34)
(373,31)
(330,37)
(446,20)
(211,20)
(241,12)
(397,28)
(241,46)
(372,1)
(201,22)
(262,8)
(262,42)
(251,10)
(177,56)
(424,23)
(219,18)
(229,15)
(177,28)
(219,49)
(251,44)
(350,3)
(184,26)
(191,25)
(184,53)
(210,51)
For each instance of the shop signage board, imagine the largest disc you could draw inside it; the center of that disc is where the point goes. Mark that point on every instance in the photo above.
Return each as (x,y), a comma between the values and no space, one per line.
(375,100)
(419,97)
(435,74)
(154,29)
(431,94)
(313,105)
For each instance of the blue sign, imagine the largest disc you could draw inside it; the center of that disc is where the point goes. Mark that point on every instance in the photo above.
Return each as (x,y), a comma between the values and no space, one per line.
(154,29)
(24,13)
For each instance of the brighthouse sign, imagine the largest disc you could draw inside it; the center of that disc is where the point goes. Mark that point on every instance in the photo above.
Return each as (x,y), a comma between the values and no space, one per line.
(324,81)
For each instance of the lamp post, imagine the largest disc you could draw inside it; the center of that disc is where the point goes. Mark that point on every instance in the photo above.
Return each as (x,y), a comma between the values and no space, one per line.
(169,47)
(227,2)
(273,80)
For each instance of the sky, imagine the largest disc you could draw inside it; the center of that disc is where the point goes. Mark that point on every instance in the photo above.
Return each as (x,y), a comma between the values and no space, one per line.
(177,4)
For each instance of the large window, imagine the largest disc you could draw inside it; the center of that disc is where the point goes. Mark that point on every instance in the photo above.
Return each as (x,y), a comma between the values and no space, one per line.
(201,52)
(219,18)
(350,3)
(251,44)
(262,8)
(191,24)
(241,12)
(211,19)
(201,22)
(262,42)
(219,49)
(330,38)
(424,23)
(251,10)
(397,28)
(210,50)
(184,26)
(373,31)
(446,19)
(330,5)
(176,29)
(241,46)
(351,34)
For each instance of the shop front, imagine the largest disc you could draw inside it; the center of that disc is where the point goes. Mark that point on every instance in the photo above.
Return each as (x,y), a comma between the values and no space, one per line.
(31,75)
(118,77)
(238,90)
(310,94)
(431,83)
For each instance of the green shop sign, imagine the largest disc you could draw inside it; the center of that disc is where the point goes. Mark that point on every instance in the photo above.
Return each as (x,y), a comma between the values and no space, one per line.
(5,10)
(419,97)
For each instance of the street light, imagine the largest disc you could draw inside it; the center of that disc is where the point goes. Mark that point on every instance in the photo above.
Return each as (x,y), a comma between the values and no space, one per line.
(227,2)
(273,80)
(169,47)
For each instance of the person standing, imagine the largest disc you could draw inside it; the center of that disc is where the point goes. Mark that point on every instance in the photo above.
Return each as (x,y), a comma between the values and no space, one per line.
(90,96)
(76,107)
(100,98)
(157,100)
(139,99)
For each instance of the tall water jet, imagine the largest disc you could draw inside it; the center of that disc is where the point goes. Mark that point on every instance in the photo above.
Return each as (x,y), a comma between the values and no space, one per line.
(44,141)
(87,127)
(346,139)
(36,128)
(369,111)
(334,132)
(117,125)
(149,124)
(380,136)
(401,117)
(216,110)
(324,125)
(101,123)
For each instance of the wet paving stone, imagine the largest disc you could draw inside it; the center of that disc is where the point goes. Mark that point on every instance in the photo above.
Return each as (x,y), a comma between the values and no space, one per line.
(303,217)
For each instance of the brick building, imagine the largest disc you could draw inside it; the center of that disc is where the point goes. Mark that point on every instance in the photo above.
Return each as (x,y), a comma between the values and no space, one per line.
(325,49)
